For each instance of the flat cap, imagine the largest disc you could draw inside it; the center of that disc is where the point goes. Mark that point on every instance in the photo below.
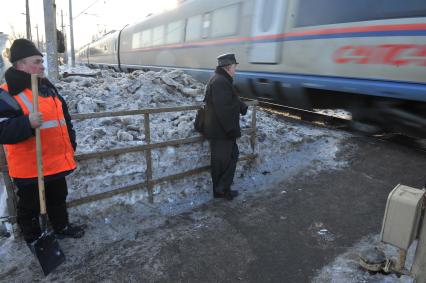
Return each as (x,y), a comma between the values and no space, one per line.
(226,59)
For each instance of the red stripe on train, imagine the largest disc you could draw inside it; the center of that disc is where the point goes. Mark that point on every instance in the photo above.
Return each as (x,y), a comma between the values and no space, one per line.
(385,54)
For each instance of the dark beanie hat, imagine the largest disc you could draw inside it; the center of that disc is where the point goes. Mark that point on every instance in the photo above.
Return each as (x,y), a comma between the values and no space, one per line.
(22,48)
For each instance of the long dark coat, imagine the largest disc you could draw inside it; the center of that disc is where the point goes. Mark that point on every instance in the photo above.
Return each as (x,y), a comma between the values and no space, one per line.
(223,107)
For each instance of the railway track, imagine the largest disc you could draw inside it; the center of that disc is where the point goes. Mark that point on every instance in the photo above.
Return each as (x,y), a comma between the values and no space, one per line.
(341,123)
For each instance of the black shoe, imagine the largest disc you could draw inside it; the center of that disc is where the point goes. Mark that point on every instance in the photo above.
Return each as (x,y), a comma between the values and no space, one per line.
(230,195)
(70,231)
(218,195)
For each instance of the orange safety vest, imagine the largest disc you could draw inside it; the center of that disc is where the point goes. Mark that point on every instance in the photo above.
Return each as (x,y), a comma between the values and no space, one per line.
(57,151)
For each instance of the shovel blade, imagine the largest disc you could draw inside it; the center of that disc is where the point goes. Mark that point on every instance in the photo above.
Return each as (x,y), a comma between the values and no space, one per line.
(47,251)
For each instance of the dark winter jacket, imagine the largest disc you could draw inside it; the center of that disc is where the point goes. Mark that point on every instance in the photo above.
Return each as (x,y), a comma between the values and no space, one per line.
(223,107)
(14,125)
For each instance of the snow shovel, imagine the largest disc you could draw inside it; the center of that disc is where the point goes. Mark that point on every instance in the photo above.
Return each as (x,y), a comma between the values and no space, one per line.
(46,247)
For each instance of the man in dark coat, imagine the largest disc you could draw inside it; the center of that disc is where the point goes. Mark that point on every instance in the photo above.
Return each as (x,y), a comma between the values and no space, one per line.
(222,125)
(17,124)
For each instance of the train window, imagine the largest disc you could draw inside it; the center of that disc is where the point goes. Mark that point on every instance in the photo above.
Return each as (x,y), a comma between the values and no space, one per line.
(174,32)
(225,21)
(146,38)
(267,14)
(136,40)
(158,35)
(323,12)
(194,28)
(206,24)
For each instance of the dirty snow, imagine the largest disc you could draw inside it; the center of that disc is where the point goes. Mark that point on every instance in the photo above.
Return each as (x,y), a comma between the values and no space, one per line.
(345,268)
(284,149)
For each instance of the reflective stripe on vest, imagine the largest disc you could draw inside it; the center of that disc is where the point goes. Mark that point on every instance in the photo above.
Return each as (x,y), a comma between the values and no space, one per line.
(46,124)
(26,101)
(52,124)
(57,151)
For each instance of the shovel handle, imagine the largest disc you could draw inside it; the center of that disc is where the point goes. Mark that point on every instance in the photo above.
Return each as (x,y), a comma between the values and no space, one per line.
(41,194)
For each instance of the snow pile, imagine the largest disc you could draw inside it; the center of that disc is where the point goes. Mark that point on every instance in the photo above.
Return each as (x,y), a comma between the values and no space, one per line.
(111,91)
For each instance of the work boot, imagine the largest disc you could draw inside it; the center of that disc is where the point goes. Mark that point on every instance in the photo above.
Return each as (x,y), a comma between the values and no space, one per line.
(70,231)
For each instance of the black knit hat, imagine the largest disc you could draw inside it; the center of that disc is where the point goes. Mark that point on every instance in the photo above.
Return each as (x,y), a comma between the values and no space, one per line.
(22,48)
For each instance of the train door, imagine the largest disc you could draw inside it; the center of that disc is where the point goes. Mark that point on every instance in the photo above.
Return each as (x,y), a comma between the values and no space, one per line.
(268,22)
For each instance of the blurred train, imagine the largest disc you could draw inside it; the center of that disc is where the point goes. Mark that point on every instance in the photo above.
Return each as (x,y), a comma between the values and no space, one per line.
(368,57)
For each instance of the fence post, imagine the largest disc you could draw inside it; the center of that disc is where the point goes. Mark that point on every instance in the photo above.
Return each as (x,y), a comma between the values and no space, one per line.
(148,158)
(11,200)
(253,128)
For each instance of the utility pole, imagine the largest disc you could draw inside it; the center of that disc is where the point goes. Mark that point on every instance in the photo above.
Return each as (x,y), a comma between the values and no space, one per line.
(62,21)
(38,41)
(51,44)
(65,55)
(27,16)
(71,35)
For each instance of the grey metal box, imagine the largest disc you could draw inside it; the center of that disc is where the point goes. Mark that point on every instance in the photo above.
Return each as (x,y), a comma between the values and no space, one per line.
(402,215)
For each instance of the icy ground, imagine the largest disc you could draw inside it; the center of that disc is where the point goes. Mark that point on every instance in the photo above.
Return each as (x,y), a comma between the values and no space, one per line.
(284,149)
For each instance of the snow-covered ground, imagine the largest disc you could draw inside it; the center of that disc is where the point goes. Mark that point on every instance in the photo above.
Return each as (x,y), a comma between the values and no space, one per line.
(346,268)
(284,149)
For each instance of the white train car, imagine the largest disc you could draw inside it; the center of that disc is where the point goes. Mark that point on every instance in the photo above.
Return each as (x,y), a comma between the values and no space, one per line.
(366,56)
(101,53)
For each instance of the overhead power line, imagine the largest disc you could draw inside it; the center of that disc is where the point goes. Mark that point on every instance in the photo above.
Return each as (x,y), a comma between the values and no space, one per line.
(82,12)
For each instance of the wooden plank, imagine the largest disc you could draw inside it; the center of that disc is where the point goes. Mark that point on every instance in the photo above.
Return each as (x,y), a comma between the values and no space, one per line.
(105,195)
(11,199)
(137,148)
(253,127)
(148,158)
(93,115)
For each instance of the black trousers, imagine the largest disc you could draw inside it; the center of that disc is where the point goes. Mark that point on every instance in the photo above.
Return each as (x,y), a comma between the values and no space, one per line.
(29,207)
(224,157)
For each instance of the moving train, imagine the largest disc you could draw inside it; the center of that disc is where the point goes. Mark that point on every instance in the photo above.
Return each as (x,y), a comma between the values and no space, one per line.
(368,57)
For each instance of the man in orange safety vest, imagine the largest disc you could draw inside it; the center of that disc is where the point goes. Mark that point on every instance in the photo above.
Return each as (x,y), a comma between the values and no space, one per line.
(17,124)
